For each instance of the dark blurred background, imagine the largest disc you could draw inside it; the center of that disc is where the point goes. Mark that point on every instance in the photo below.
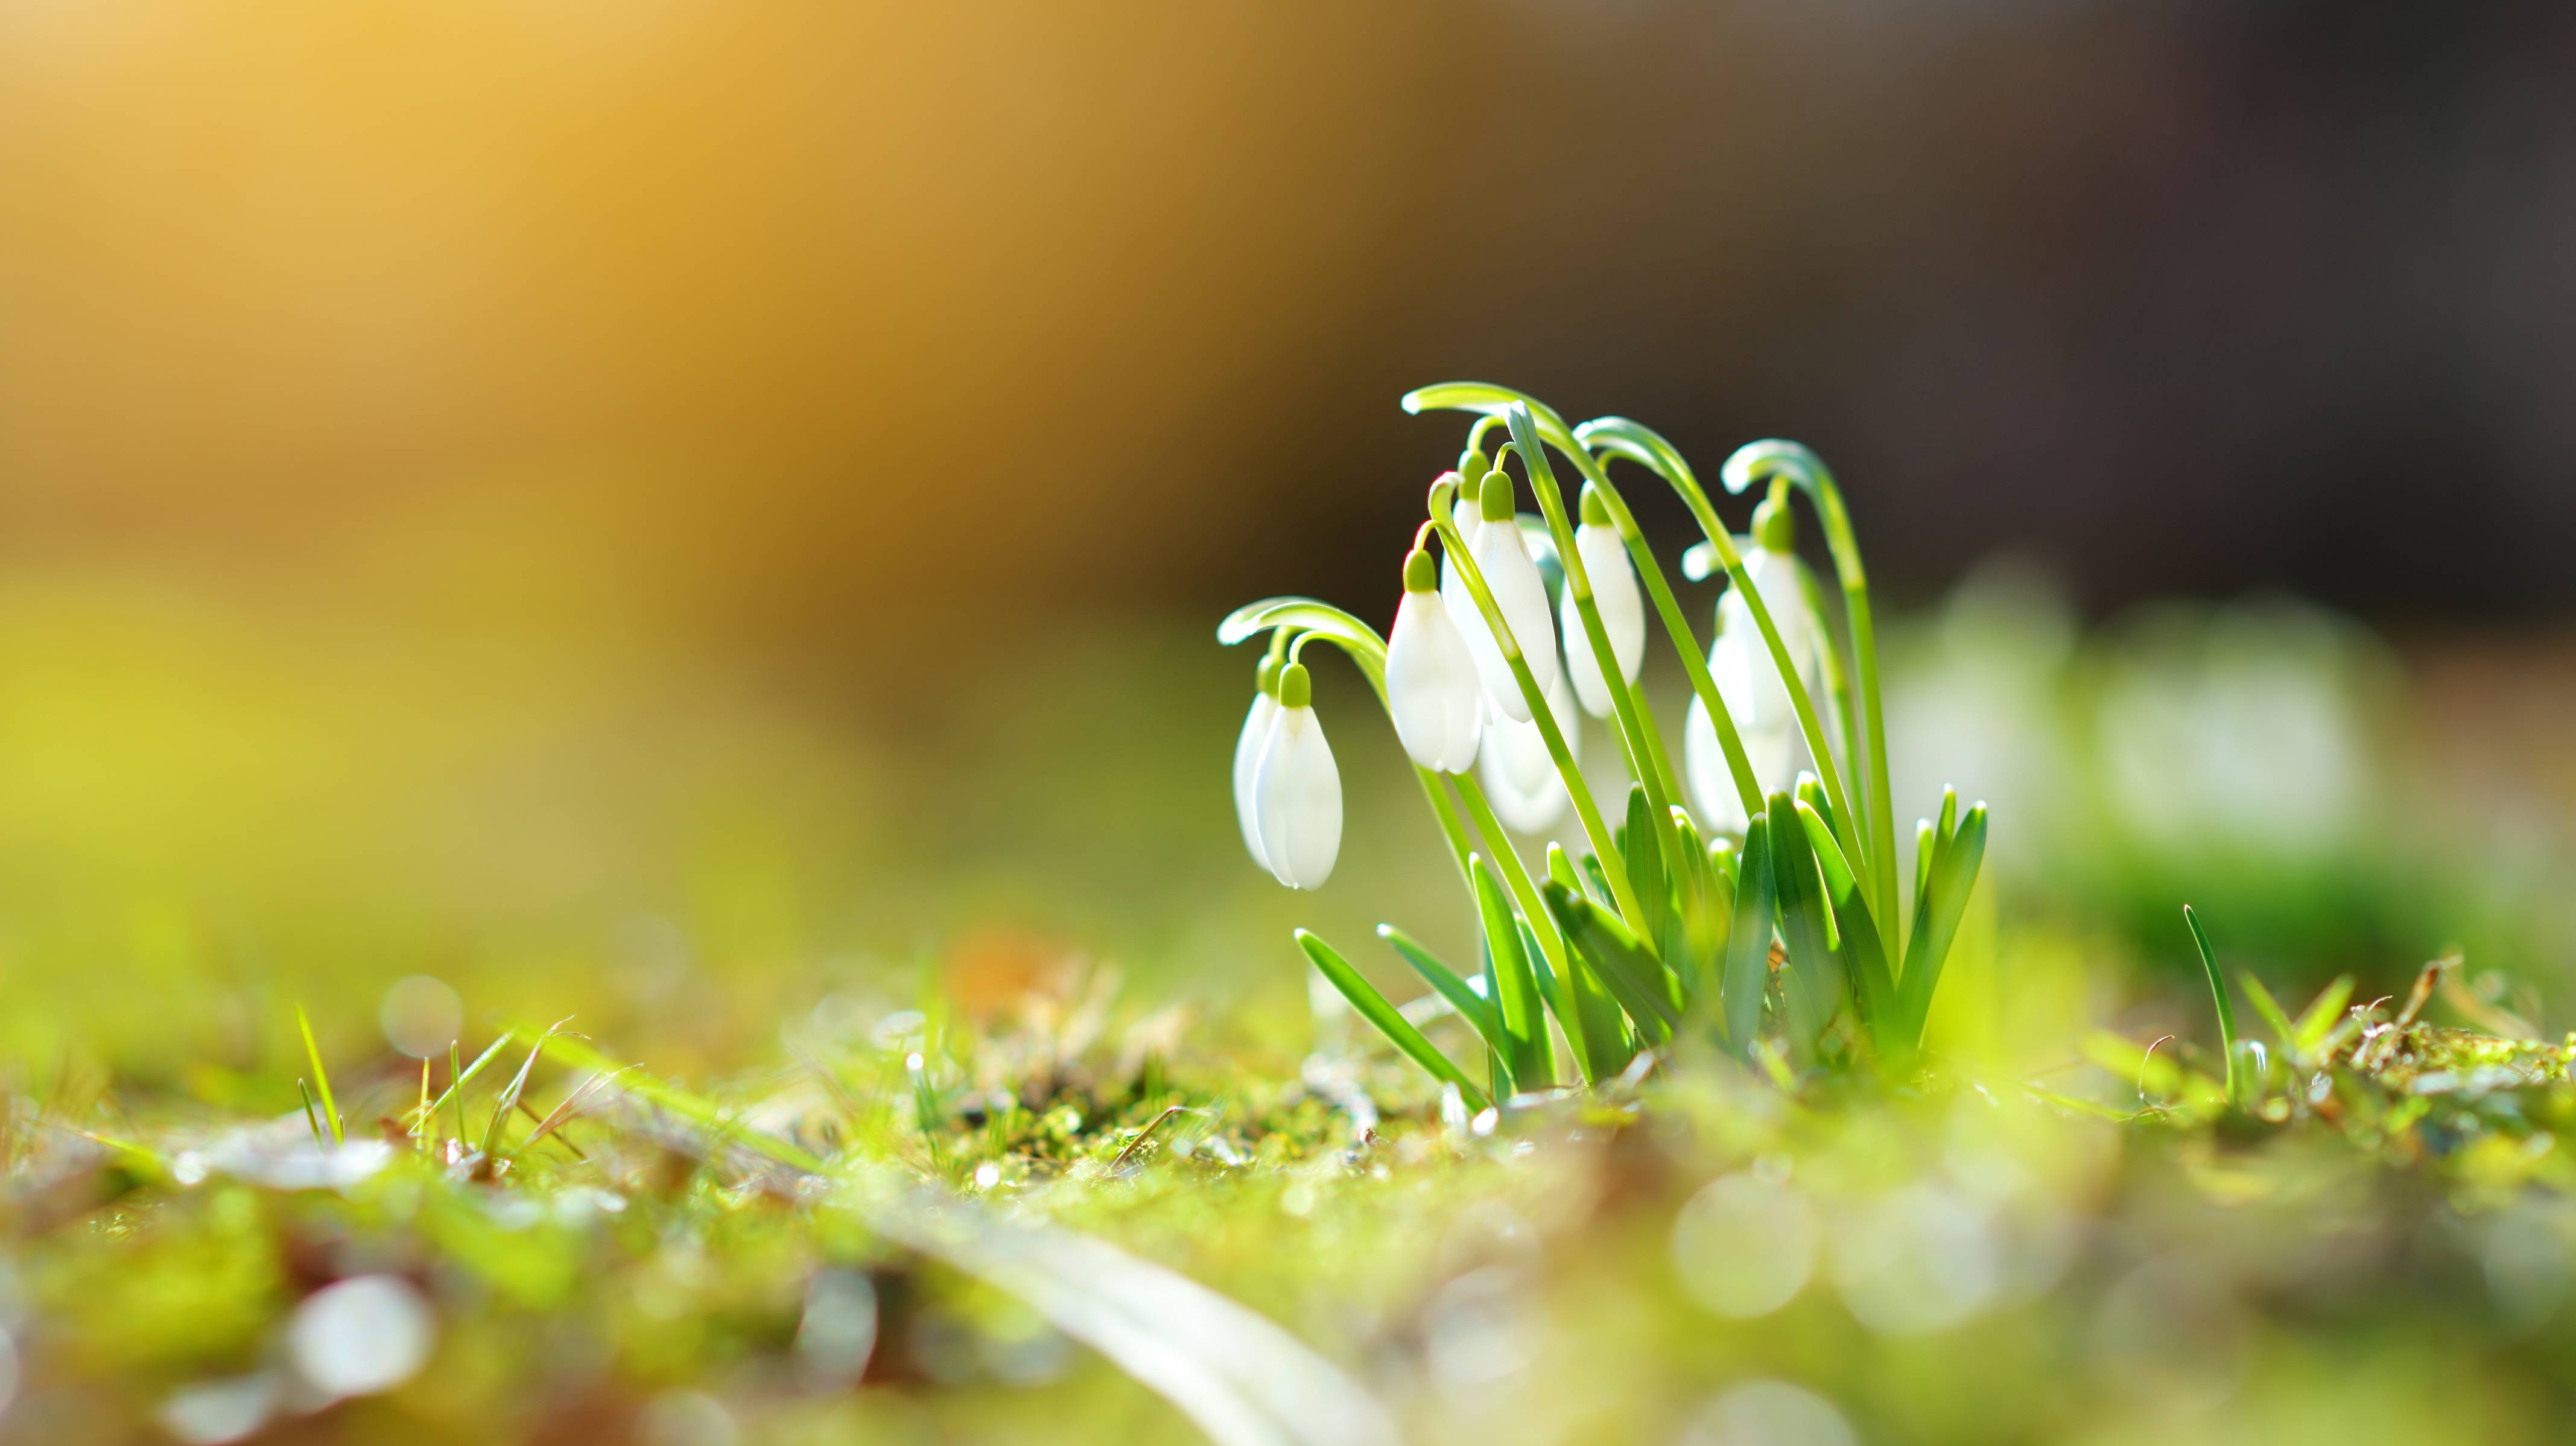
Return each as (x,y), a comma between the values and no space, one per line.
(481,463)
(2181,296)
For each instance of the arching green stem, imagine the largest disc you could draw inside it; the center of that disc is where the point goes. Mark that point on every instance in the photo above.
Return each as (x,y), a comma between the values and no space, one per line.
(1536,430)
(1578,582)
(1643,445)
(1760,461)
(1544,716)
(1368,652)
(1575,444)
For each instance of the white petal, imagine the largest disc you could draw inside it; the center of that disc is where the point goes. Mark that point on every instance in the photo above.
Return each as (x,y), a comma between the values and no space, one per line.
(1431,686)
(1715,803)
(1740,661)
(1616,593)
(1298,796)
(1623,617)
(1519,777)
(1247,757)
(1522,595)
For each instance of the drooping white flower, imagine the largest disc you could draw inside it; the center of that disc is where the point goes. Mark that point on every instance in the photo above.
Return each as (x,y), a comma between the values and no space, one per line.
(1519,777)
(1431,686)
(1297,790)
(1521,594)
(1615,593)
(1748,680)
(1247,754)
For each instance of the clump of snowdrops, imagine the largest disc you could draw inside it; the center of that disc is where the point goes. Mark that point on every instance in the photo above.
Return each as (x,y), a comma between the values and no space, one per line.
(1747,901)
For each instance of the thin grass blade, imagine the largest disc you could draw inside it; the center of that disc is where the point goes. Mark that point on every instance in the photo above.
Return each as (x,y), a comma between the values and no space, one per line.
(1475,1008)
(1374,1008)
(321,1076)
(2226,1010)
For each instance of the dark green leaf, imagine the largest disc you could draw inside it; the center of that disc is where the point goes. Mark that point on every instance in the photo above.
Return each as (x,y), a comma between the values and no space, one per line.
(1864,958)
(1747,969)
(1517,999)
(1635,978)
(1815,976)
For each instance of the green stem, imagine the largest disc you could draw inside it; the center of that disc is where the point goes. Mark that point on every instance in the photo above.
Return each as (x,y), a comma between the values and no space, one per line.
(1758,461)
(1473,577)
(1661,459)
(1367,651)
(1643,445)
(1623,702)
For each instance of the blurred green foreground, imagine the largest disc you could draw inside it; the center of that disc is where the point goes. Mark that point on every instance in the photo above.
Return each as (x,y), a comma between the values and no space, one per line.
(979,919)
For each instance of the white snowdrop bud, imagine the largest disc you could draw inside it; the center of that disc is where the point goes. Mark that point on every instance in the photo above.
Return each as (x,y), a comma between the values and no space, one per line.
(1513,578)
(1748,680)
(1519,777)
(1247,754)
(1615,593)
(1431,678)
(1297,790)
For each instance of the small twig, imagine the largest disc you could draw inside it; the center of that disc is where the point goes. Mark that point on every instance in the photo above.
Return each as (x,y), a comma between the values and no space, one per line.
(1143,1135)
(561,1139)
(2143,1061)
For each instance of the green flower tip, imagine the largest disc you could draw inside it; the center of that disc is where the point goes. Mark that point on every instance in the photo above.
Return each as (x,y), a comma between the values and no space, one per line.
(1494,497)
(1419,574)
(1774,526)
(1473,464)
(1296,690)
(1268,677)
(1596,513)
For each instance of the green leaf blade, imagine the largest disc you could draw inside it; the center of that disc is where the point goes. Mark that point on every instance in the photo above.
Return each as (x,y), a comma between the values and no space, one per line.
(1374,1008)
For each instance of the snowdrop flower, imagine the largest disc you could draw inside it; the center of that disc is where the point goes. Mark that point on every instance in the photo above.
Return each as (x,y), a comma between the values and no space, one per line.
(1520,778)
(1296,789)
(1431,678)
(1614,592)
(1749,682)
(1469,518)
(1247,753)
(1519,592)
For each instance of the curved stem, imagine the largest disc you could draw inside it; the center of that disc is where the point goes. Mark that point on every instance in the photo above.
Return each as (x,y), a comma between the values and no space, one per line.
(1645,446)
(1758,461)
(1623,702)
(1540,713)
(1367,651)
(1575,443)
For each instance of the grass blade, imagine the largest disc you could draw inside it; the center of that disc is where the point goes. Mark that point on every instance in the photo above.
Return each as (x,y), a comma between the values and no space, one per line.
(1814,975)
(458,1080)
(1937,912)
(1374,1008)
(518,1085)
(2275,1018)
(1475,1008)
(1516,984)
(2322,1014)
(1746,973)
(1864,958)
(321,1076)
(2226,1010)
(1635,979)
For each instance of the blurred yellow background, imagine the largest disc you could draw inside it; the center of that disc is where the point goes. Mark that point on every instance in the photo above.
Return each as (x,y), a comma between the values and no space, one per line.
(673,508)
